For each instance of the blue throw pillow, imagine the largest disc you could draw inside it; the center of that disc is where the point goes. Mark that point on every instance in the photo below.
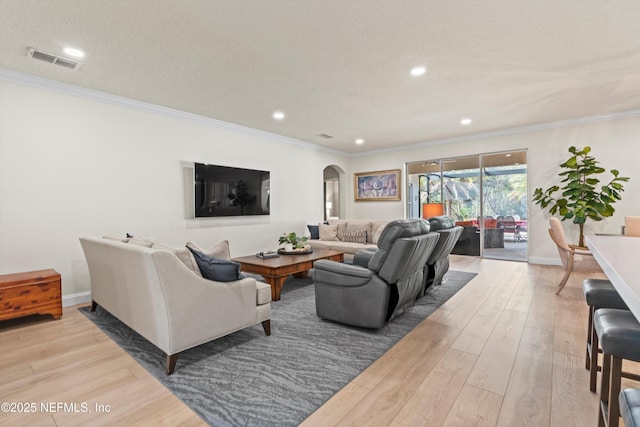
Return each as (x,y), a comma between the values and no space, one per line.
(216,269)
(315,231)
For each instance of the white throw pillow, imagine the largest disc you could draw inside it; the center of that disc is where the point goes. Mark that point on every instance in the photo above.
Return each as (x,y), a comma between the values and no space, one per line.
(377,235)
(220,251)
(328,231)
(375,226)
(141,242)
(183,255)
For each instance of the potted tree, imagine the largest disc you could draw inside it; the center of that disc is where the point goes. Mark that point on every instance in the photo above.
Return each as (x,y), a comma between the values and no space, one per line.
(580,199)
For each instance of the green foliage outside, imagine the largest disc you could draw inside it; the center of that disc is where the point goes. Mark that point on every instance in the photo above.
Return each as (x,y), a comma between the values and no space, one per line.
(503,194)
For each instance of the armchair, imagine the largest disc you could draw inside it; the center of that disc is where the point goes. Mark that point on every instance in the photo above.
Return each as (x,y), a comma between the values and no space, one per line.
(388,285)
(573,257)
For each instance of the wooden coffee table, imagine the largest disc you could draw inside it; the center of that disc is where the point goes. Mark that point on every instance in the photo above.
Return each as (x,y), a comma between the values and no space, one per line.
(276,270)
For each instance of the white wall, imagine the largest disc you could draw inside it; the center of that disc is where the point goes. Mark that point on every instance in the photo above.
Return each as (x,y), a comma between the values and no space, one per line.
(72,166)
(615,143)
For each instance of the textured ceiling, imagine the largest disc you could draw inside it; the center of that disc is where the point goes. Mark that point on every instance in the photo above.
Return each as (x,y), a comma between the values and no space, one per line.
(341,67)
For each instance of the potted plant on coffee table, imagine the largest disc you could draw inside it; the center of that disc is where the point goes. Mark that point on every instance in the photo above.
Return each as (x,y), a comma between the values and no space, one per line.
(292,241)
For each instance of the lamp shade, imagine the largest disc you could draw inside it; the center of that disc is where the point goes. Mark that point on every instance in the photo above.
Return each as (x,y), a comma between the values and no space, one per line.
(429,210)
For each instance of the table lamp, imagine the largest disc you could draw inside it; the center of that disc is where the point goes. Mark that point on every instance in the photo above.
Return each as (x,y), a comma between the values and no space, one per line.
(429,210)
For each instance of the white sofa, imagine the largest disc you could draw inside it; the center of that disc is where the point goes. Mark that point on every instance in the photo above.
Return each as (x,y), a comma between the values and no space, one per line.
(336,241)
(153,292)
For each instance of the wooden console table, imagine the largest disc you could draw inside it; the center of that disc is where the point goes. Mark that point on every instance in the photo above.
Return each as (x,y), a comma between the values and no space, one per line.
(33,292)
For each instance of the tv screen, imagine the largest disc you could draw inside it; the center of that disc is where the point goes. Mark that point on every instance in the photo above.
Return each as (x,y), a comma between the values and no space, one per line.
(228,191)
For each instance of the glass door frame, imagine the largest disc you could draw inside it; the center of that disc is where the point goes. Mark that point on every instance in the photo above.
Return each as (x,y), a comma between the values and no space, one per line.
(481,157)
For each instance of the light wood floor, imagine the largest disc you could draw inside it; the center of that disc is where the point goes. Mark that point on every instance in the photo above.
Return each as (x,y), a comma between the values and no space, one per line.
(504,351)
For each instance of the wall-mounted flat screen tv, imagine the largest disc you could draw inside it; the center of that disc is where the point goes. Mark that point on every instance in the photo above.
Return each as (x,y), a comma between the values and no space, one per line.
(229,191)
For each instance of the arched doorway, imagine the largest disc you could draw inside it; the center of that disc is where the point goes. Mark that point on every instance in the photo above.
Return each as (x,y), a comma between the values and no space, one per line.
(331,193)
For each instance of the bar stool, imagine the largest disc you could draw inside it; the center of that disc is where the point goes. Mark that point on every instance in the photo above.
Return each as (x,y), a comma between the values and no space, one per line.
(599,293)
(619,334)
(630,407)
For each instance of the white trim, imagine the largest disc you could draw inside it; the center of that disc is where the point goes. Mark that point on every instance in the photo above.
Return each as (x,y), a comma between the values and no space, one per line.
(52,85)
(75,299)
(94,95)
(509,131)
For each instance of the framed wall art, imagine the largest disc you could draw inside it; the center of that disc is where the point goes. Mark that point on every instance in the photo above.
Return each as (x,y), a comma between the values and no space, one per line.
(377,186)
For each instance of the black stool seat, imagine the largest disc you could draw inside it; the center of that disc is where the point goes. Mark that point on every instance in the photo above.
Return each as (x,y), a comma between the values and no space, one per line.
(619,333)
(600,293)
(630,407)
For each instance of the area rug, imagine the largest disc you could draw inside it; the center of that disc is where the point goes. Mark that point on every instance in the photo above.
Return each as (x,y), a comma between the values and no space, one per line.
(249,379)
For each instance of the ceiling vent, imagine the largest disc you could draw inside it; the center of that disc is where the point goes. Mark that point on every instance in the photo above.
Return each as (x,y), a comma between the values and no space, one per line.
(53,59)
(325,136)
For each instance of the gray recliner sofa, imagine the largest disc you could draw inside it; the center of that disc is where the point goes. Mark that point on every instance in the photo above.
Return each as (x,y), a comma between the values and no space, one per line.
(389,284)
(438,263)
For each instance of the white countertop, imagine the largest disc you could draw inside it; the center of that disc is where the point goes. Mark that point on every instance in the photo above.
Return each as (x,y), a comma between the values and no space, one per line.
(619,257)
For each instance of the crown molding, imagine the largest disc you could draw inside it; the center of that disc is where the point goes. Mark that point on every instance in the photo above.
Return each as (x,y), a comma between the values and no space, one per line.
(69,89)
(94,95)
(503,132)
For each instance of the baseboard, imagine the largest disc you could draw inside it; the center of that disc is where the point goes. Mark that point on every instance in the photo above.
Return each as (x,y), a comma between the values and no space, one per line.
(75,299)
(544,261)
(85,297)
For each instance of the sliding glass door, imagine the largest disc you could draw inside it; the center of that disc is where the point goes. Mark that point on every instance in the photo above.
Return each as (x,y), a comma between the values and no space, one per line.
(486,194)
(504,202)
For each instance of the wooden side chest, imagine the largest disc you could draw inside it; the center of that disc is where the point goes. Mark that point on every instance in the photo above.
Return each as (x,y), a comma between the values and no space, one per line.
(33,292)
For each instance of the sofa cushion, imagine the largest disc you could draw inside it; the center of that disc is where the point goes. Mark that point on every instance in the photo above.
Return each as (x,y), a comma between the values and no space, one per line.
(376,230)
(314,230)
(341,227)
(183,255)
(347,247)
(376,237)
(358,226)
(117,239)
(328,231)
(263,293)
(221,250)
(141,242)
(357,236)
(219,270)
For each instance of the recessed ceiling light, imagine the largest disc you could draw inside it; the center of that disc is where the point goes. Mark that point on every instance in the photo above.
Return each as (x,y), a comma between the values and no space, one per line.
(418,71)
(76,53)
(278,115)
(466,121)
(359,141)
(508,155)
